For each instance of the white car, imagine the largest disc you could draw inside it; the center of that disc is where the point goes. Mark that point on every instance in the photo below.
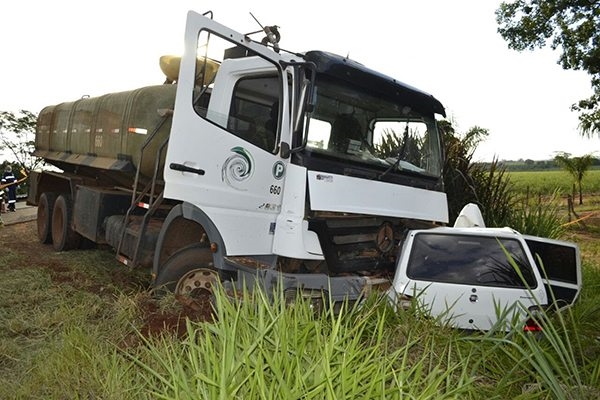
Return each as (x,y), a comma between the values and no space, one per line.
(468,277)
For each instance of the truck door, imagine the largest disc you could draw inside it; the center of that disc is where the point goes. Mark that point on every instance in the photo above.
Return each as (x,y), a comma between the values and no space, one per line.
(222,154)
(466,279)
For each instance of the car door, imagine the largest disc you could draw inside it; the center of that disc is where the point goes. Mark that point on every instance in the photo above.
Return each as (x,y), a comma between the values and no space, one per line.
(559,264)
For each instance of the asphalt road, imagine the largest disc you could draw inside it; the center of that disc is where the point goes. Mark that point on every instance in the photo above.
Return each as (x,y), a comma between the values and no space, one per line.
(23,213)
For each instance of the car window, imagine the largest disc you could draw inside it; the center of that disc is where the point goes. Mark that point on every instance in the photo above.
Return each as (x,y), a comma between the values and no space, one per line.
(558,262)
(469,260)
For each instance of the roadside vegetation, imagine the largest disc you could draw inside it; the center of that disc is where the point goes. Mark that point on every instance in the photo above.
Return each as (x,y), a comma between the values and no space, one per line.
(80,325)
(547,182)
(62,341)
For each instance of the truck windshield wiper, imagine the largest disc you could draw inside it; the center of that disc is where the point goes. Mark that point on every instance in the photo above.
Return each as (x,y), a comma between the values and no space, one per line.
(391,167)
(400,154)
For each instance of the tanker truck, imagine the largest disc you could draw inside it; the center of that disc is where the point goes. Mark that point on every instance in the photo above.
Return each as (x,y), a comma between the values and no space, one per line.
(249,163)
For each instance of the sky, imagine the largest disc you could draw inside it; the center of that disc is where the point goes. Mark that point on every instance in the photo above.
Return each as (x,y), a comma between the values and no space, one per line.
(59,50)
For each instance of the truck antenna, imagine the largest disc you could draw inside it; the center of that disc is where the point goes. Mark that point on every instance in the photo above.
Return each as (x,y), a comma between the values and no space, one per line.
(272,32)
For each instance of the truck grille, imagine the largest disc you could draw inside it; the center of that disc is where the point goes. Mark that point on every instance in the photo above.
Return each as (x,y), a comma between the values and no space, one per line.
(352,244)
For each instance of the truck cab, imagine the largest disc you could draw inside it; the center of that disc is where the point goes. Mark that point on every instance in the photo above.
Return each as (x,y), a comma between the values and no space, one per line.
(309,162)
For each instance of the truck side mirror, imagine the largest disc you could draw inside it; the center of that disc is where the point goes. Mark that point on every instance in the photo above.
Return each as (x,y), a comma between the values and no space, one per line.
(305,106)
(284,150)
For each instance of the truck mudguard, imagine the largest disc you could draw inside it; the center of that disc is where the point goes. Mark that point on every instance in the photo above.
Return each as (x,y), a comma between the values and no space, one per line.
(171,238)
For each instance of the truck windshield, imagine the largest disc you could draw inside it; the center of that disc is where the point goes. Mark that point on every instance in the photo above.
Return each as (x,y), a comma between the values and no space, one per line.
(352,124)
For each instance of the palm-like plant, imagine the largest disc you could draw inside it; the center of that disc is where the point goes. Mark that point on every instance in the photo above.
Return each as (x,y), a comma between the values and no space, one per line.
(467,181)
(576,166)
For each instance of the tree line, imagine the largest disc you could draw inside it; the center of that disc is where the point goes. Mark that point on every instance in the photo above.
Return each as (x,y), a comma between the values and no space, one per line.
(540,165)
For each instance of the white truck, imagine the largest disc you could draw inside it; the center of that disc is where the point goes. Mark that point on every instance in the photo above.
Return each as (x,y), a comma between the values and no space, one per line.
(250,163)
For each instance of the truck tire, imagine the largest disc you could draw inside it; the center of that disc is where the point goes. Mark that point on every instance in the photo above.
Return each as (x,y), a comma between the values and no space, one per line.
(189,272)
(63,236)
(44,217)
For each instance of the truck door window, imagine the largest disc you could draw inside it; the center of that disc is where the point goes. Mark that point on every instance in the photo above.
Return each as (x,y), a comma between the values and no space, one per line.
(254,110)
(237,90)
(469,260)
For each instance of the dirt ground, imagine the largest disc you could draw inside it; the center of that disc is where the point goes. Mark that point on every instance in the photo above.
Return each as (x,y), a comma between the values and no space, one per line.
(21,239)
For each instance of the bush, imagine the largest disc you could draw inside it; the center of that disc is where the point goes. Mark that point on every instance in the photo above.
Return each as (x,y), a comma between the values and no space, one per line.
(538,217)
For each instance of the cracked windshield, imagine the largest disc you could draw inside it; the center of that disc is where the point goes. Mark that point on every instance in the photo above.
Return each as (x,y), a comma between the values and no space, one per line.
(359,127)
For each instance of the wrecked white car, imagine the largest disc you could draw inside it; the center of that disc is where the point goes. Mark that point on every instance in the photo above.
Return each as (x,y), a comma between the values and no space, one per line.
(482,278)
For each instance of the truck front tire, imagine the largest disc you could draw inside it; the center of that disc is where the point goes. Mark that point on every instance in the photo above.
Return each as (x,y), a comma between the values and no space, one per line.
(189,272)
(44,217)
(63,236)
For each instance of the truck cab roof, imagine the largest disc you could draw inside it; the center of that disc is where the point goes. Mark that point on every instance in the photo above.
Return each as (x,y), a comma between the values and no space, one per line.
(343,68)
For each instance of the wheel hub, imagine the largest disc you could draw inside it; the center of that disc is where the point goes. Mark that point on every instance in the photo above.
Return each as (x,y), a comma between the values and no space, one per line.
(197,282)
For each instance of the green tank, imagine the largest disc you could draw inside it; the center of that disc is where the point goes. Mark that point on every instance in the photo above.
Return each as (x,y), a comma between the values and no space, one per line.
(104,135)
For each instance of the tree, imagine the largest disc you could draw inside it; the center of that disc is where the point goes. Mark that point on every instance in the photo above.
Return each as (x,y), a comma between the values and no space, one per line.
(570,25)
(17,133)
(467,181)
(576,166)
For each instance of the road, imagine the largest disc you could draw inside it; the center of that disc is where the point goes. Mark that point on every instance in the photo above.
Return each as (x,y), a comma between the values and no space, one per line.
(23,213)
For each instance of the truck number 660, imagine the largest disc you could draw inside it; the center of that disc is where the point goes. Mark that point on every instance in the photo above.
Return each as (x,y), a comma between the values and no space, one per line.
(275,190)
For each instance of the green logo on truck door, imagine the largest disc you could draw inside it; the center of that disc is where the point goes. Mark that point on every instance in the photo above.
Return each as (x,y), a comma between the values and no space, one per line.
(278,170)
(238,168)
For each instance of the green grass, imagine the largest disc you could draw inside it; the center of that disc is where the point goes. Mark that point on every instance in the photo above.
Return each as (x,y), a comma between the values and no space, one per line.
(546,182)
(261,351)
(257,351)
(52,317)
(71,329)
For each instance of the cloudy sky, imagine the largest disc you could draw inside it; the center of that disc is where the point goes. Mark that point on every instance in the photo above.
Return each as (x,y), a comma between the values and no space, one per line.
(55,51)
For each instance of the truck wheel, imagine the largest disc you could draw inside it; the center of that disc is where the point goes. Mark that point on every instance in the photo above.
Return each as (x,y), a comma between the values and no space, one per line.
(44,217)
(189,272)
(63,236)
